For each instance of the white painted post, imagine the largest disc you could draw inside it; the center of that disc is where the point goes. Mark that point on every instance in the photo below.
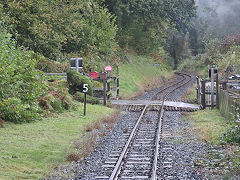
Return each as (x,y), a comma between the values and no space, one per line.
(77,64)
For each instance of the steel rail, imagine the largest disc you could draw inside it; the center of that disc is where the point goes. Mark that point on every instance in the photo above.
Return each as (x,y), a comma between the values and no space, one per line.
(117,166)
(158,135)
(116,170)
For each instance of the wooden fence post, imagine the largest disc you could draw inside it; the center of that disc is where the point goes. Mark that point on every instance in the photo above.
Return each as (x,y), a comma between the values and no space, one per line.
(104,92)
(108,89)
(217,91)
(118,86)
(198,90)
(203,94)
(114,88)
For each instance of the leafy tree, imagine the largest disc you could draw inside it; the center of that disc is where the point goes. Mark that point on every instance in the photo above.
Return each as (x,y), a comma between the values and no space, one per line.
(56,28)
(146,24)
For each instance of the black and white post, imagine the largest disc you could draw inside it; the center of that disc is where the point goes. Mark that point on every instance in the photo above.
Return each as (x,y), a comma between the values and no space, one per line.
(85,90)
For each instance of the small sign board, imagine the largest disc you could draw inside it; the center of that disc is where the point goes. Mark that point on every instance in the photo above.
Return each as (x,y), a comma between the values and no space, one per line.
(215,71)
(107,68)
(76,63)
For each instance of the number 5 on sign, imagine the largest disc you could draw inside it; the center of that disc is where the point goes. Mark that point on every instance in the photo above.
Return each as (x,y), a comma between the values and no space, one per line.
(85,88)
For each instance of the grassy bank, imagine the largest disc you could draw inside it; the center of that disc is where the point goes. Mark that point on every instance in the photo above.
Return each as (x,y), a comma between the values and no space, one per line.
(31,151)
(209,125)
(139,75)
(223,160)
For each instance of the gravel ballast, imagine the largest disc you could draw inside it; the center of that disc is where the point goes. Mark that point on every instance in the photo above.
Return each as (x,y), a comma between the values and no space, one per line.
(179,149)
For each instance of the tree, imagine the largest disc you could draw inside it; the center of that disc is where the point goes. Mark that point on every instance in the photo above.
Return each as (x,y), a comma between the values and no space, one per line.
(145,24)
(56,28)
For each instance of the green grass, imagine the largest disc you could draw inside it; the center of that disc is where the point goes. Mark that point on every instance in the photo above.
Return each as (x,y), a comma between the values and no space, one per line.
(209,125)
(31,151)
(140,74)
(191,94)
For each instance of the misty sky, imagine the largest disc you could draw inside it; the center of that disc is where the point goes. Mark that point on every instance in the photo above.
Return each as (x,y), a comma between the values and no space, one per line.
(222,15)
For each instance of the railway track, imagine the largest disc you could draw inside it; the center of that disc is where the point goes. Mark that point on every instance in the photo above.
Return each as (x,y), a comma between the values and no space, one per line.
(138,157)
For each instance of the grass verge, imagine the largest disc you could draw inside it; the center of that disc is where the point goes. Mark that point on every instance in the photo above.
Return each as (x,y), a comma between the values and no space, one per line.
(222,161)
(209,125)
(190,95)
(140,75)
(30,151)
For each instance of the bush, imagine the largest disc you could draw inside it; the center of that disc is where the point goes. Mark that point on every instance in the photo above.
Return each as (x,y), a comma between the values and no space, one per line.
(14,110)
(80,97)
(76,80)
(21,84)
(49,66)
(233,135)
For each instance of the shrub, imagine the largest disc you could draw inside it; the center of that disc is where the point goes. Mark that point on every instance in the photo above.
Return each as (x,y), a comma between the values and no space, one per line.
(76,80)
(49,66)
(55,101)
(67,102)
(21,84)
(14,110)
(233,134)
(80,97)
(57,105)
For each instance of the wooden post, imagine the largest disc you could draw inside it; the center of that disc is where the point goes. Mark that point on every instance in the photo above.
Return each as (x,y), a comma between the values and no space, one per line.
(85,103)
(203,94)
(117,86)
(217,91)
(224,85)
(212,88)
(198,90)
(104,92)
(108,89)
(114,88)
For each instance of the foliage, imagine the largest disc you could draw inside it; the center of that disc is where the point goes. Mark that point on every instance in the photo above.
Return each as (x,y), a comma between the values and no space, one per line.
(57,98)
(58,28)
(144,25)
(15,110)
(21,84)
(76,80)
(50,66)
(232,135)
(80,97)
(224,54)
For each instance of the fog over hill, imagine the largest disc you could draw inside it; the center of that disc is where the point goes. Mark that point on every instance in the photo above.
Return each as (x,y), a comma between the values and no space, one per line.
(223,16)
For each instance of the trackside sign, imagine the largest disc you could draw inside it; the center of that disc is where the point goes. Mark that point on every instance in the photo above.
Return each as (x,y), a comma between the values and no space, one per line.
(107,68)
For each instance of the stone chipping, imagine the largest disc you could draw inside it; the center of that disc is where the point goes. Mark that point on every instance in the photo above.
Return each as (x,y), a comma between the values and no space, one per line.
(179,150)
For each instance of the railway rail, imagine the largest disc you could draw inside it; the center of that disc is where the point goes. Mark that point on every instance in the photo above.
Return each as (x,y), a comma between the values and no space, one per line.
(138,158)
